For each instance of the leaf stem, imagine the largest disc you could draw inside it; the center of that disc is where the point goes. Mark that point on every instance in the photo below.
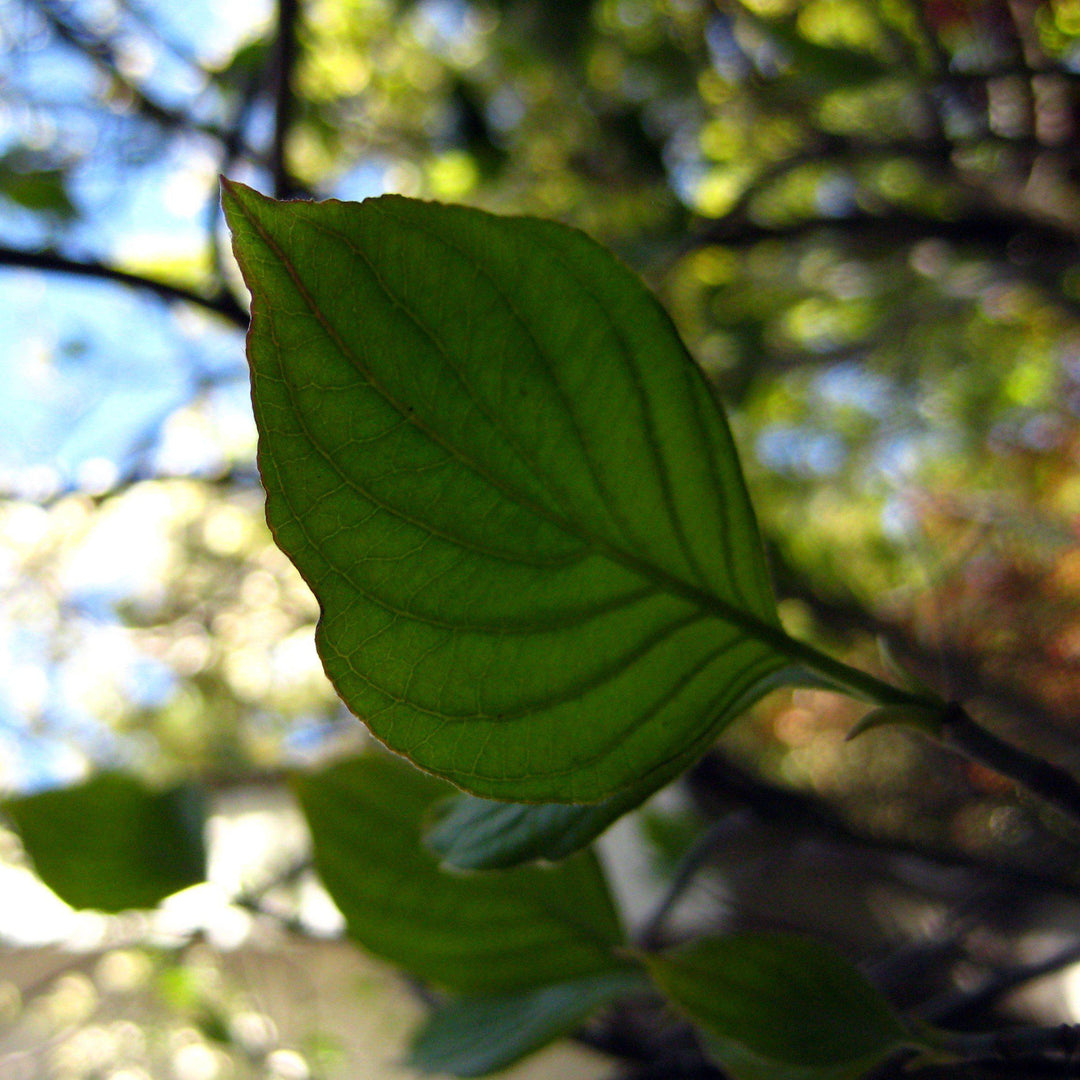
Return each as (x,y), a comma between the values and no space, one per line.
(958,731)
(853,681)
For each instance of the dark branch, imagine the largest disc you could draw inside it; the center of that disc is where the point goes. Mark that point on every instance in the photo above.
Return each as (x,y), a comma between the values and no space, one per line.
(979,230)
(221,304)
(1049,782)
(959,1004)
(102,53)
(717,784)
(284,62)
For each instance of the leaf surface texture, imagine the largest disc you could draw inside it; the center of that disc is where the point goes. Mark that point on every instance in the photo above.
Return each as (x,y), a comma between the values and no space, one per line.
(780,1006)
(512,491)
(477,1036)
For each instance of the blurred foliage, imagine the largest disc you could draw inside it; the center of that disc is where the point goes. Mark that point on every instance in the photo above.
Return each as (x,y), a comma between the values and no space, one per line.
(862,215)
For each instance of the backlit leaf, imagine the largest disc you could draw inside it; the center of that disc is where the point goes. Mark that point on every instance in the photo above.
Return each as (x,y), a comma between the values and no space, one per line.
(510,488)
(110,843)
(475,933)
(780,1006)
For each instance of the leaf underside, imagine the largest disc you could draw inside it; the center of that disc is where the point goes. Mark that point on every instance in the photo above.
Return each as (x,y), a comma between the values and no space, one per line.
(478,1036)
(470,833)
(510,488)
(477,934)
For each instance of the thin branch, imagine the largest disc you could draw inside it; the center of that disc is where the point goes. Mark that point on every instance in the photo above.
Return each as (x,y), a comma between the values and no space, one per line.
(103,55)
(950,1007)
(715,780)
(1020,1042)
(976,230)
(221,304)
(966,680)
(284,61)
(1052,784)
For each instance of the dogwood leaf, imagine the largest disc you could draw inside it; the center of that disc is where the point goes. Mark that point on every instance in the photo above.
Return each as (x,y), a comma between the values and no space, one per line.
(512,491)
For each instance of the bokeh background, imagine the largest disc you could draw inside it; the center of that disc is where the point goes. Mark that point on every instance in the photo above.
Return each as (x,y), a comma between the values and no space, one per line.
(863,216)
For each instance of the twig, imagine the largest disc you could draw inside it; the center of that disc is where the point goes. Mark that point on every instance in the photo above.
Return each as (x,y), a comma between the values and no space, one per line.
(1020,1042)
(973,230)
(965,677)
(715,778)
(253,900)
(949,1007)
(1051,783)
(103,55)
(284,61)
(222,304)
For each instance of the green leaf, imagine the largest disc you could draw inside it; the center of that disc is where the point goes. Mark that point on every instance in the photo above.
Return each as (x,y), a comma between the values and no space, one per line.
(780,1006)
(478,934)
(477,1036)
(110,843)
(512,491)
(469,833)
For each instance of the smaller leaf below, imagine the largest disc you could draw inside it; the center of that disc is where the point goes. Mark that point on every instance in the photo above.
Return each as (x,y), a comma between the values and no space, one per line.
(477,1036)
(472,933)
(467,832)
(780,1006)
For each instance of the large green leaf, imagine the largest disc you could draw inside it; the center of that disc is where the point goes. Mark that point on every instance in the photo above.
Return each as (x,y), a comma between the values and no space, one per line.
(780,1007)
(477,1036)
(478,934)
(110,843)
(510,488)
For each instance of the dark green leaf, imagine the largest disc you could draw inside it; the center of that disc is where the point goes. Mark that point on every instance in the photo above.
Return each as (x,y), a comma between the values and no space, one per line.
(780,1006)
(469,833)
(110,843)
(512,491)
(479,934)
(477,1036)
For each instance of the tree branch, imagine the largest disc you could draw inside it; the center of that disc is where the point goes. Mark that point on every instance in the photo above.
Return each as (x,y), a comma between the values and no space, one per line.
(221,304)
(951,1007)
(103,55)
(1049,782)
(716,783)
(284,62)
